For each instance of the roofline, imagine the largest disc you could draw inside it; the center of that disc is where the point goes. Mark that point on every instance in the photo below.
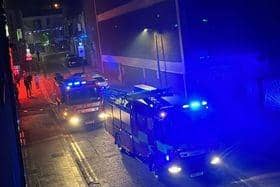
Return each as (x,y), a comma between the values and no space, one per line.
(124,9)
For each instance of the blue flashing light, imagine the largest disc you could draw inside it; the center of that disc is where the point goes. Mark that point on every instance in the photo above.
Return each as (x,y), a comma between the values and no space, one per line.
(68,88)
(162,114)
(77,83)
(195,105)
(70,84)
(167,158)
(204,103)
(83,82)
(185,106)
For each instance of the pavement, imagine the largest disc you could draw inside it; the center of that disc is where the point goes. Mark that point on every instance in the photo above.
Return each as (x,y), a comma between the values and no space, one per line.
(46,155)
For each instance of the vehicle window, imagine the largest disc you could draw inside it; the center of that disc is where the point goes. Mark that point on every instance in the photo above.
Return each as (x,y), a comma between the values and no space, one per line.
(116,116)
(80,96)
(100,79)
(126,121)
(141,122)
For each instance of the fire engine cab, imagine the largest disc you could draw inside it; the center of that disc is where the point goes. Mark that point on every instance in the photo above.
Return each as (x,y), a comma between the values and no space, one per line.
(79,101)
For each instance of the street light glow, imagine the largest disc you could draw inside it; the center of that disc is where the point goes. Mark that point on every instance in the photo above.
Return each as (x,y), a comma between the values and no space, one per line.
(56,5)
(145,30)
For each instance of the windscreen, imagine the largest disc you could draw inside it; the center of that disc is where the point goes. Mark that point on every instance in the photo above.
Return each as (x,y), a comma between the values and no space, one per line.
(100,79)
(83,95)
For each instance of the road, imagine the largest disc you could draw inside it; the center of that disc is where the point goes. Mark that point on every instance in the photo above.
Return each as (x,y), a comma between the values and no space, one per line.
(53,156)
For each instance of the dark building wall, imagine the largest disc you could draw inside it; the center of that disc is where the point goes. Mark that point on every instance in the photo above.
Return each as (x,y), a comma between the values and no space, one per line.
(225,49)
(222,49)
(124,36)
(103,6)
(11,166)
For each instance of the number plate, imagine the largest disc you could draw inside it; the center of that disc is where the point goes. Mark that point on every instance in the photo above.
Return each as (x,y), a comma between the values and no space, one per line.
(88,110)
(197,174)
(89,122)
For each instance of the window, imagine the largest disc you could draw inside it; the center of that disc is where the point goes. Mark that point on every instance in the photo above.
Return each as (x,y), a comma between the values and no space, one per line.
(116,116)
(126,121)
(141,122)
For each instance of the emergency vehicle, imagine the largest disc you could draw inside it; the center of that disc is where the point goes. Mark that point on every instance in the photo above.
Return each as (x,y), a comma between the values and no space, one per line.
(79,101)
(168,132)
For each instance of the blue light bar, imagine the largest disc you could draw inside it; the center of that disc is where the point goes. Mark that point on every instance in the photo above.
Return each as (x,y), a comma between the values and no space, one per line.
(204,103)
(185,106)
(195,105)
(70,84)
(77,83)
(84,82)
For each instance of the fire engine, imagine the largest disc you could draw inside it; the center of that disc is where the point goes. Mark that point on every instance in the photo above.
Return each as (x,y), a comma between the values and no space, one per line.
(79,101)
(170,133)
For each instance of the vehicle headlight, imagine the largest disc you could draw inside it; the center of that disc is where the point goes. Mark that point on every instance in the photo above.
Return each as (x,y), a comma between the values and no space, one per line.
(74,120)
(216,160)
(103,115)
(174,169)
(65,114)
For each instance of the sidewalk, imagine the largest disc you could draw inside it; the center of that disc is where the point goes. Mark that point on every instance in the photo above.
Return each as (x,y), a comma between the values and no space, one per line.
(46,155)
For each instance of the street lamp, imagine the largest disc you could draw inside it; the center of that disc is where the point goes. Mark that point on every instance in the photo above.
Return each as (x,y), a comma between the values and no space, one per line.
(158,39)
(56,5)
(158,60)
(145,30)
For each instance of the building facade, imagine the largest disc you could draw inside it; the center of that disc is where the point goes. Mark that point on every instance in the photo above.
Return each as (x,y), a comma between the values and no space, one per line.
(45,33)
(139,42)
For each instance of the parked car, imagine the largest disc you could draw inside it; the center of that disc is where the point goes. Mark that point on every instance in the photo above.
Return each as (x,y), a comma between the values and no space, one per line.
(101,81)
(74,61)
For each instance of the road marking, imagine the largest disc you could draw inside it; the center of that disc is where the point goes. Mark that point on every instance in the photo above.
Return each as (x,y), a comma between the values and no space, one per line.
(82,162)
(258,177)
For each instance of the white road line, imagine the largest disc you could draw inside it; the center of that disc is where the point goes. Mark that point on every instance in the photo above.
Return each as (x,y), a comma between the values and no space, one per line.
(258,177)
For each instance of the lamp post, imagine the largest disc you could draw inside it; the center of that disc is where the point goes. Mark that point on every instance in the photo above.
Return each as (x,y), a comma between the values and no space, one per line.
(99,52)
(158,60)
(177,3)
(158,40)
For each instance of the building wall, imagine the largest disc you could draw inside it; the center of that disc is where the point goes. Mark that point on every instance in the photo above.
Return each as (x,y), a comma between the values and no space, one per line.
(124,41)
(103,6)
(225,60)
